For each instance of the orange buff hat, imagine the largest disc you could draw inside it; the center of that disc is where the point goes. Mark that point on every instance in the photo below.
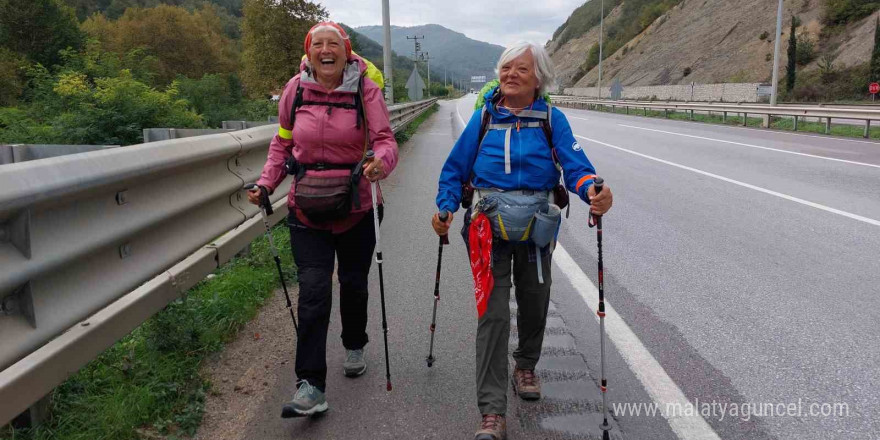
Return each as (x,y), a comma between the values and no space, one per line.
(339,28)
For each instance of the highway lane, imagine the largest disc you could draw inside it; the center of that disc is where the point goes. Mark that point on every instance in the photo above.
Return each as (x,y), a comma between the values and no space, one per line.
(776,296)
(735,296)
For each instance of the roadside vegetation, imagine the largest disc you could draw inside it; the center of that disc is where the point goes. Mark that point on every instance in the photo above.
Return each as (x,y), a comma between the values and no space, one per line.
(149,385)
(405,134)
(99,72)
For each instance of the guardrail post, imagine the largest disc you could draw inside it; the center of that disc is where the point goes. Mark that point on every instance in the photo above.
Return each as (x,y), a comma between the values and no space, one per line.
(666,113)
(828,126)
(691,116)
(867,128)
(723,117)
(745,119)
(627,110)
(766,122)
(646,111)
(795,123)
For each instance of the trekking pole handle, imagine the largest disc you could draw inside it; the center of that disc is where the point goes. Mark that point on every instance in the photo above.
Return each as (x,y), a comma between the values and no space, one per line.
(598,183)
(264,197)
(443,216)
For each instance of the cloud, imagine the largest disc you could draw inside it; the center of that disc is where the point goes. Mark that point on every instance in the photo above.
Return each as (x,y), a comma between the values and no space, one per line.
(489,21)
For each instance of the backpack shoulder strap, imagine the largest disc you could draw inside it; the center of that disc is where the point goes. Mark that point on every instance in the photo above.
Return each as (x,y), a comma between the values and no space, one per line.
(547,127)
(297,103)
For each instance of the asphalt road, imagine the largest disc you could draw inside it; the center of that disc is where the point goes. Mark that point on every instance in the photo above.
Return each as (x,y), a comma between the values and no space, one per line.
(741,264)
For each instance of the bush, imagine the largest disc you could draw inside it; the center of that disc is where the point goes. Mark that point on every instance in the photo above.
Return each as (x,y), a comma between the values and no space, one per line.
(847,11)
(829,83)
(806,50)
(686,72)
(763,35)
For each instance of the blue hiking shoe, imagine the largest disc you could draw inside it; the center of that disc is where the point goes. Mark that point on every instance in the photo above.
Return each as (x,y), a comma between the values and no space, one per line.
(307,401)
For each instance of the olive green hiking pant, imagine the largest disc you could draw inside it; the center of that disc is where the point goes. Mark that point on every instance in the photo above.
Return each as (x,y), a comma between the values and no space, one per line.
(516,261)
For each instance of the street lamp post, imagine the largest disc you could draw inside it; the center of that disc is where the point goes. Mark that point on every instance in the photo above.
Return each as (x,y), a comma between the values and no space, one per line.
(601,32)
(776,45)
(386,53)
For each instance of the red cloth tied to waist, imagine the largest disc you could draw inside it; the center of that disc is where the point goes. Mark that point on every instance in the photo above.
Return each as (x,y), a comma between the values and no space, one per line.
(480,248)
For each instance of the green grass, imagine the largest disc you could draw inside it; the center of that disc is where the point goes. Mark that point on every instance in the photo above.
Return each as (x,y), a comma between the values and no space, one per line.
(404,135)
(779,123)
(150,380)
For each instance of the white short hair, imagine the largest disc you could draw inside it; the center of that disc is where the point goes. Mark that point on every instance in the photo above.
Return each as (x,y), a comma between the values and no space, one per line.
(544,69)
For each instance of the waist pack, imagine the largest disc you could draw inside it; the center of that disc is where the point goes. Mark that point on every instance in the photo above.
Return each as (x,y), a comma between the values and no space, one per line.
(323,198)
(512,213)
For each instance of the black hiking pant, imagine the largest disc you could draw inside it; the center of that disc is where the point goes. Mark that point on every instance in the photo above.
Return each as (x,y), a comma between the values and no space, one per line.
(315,252)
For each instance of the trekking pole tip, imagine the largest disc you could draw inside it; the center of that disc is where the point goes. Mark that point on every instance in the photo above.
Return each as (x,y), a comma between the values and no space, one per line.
(388,386)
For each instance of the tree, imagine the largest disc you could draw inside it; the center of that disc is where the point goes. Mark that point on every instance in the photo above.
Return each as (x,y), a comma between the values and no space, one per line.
(11,78)
(38,29)
(186,43)
(791,70)
(875,55)
(273,32)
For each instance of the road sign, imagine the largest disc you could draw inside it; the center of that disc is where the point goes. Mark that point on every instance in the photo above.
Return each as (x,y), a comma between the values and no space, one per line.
(765,90)
(478,78)
(874,88)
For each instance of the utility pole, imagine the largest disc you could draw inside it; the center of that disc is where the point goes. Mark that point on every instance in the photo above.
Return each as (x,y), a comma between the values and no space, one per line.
(417,53)
(776,54)
(602,32)
(386,53)
(444,76)
(427,59)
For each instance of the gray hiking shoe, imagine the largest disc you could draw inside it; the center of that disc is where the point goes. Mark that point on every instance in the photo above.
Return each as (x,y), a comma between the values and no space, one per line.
(354,364)
(307,401)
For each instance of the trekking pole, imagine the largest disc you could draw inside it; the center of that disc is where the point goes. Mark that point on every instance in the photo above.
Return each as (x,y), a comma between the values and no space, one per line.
(266,211)
(444,239)
(371,155)
(599,183)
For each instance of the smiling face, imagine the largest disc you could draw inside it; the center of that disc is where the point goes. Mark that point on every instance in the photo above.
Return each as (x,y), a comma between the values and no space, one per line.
(327,55)
(518,79)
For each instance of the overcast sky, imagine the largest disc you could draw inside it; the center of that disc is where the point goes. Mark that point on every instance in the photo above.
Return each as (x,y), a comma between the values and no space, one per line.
(500,22)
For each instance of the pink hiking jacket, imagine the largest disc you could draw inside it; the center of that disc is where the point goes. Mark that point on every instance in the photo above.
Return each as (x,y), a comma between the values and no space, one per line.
(330,135)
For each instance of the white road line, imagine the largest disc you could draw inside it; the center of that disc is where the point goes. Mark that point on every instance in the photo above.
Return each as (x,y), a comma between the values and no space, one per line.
(867,220)
(662,389)
(751,146)
(458,112)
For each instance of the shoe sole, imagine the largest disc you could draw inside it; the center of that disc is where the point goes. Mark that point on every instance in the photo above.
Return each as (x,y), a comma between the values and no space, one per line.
(529,395)
(354,373)
(288,411)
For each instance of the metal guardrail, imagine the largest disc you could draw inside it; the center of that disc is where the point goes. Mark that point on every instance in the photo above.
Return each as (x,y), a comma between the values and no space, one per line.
(795,111)
(93,244)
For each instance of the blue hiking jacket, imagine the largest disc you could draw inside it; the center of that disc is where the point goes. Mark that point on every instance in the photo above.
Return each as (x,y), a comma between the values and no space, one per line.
(531,163)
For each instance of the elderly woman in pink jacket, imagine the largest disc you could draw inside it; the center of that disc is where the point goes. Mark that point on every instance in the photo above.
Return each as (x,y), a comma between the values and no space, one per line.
(330,115)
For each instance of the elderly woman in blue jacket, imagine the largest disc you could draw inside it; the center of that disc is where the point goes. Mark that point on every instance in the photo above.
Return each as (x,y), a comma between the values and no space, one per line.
(511,157)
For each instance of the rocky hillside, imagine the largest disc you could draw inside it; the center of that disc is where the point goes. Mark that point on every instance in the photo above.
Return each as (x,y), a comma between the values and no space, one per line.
(704,41)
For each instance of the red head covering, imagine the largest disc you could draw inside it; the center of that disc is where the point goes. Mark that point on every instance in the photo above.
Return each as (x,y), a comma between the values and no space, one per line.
(345,39)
